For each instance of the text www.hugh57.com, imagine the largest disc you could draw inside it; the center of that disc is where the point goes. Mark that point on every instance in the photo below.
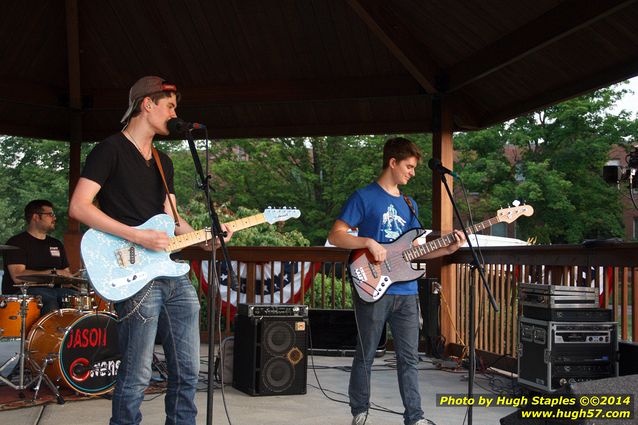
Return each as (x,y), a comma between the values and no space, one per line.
(576,414)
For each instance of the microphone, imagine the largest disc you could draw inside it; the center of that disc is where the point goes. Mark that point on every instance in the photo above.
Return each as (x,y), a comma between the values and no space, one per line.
(435,165)
(178,126)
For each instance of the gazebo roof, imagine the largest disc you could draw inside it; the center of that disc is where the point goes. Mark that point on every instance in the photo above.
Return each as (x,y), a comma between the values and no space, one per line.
(251,68)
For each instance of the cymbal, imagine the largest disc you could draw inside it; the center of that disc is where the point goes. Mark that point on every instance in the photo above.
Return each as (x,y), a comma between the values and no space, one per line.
(52,279)
(8,248)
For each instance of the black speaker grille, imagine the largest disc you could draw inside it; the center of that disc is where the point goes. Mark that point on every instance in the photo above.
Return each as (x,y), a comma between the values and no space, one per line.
(270,355)
(279,337)
(278,374)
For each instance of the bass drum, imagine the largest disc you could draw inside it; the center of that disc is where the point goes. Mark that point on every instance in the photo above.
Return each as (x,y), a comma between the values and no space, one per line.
(83,347)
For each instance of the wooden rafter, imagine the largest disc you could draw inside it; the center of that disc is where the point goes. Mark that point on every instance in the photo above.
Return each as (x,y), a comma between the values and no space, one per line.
(563,20)
(563,92)
(384,23)
(276,91)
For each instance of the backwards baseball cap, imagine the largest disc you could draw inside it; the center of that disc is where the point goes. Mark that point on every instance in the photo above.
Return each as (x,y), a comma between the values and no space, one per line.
(143,87)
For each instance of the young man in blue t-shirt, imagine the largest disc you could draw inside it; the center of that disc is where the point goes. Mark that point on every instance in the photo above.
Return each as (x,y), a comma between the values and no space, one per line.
(382,214)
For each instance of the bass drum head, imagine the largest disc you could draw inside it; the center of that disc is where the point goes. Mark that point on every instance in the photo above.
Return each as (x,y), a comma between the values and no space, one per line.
(85,346)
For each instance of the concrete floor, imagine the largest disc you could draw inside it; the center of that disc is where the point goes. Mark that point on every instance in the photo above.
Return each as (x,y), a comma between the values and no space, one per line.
(315,407)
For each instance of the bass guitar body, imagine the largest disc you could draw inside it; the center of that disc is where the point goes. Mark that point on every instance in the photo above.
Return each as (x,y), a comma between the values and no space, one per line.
(371,280)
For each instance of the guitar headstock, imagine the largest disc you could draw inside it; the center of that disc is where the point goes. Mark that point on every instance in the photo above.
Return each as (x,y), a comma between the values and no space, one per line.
(509,215)
(273,215)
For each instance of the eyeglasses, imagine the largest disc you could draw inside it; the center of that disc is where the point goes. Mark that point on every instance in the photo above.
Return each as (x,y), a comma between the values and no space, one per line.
(52,214)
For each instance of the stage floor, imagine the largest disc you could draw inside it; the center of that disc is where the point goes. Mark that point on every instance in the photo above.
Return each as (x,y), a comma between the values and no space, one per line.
(331,373)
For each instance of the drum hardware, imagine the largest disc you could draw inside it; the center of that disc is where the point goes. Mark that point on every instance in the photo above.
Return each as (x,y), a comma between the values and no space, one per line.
(52,279)
(47,361)
(25,359)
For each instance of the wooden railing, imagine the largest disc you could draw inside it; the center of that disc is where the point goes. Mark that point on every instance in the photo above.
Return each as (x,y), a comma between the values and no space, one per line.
(612,267)
(303,268)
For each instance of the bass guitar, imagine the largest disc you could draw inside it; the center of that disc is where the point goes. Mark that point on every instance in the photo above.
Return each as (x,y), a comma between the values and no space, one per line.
(118,269)
(372,279)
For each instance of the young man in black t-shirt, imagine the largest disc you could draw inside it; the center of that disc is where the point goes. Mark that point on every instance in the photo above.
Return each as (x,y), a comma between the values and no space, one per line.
(38,253)
(122,174)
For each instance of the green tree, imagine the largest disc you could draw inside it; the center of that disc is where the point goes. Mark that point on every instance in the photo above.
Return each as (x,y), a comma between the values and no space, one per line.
(314,174)
(32,169)
(557,156)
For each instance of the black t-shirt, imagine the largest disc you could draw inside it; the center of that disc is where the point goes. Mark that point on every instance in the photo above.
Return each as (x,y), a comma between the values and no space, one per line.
(35,254)
(131,189)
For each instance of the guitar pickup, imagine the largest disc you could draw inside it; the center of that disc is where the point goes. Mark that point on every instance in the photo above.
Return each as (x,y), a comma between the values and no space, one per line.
(115,283)
(126,256)
(388,266)
(373,270)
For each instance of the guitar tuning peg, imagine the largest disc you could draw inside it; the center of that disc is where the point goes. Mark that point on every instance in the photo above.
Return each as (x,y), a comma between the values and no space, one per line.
(516,203)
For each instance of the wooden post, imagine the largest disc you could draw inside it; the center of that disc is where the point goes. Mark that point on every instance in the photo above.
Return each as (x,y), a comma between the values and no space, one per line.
(442,212)
(72,237)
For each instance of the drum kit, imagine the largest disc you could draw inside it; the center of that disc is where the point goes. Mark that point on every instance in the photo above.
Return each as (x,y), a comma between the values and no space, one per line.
(75,347)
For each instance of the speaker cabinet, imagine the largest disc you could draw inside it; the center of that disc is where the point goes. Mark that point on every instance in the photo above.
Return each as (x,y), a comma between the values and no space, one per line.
(430,303)
(627,355)
(270,355)
(334,333)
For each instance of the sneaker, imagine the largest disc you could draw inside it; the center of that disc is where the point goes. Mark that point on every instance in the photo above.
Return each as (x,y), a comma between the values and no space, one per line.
(420,422)
(360,419)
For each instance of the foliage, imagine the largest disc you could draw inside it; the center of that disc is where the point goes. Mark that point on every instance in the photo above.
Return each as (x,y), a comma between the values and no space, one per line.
(314,174)
(551,158)
(323,298)
(555,162)
(32,169)
(261,235)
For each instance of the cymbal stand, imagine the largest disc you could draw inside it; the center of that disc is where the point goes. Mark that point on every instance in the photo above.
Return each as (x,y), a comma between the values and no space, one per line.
(24,358)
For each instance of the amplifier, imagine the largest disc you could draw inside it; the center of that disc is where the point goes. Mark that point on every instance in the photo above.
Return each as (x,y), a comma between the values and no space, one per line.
(268,310)
(568,314)
(554,354)
(557,296)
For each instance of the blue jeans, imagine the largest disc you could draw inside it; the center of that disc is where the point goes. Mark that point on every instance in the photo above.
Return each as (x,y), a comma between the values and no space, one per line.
(169,308)
(51,297)
(402,313)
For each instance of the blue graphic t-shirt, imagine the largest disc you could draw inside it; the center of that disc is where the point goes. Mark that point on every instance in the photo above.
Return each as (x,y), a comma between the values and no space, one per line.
(382,217)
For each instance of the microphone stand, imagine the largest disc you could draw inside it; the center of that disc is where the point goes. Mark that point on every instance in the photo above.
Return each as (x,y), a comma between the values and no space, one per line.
(217,234)
(476,267)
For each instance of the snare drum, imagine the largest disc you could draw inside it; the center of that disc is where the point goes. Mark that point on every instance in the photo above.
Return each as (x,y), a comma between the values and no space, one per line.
(10,321)
(83,346)
(78,302)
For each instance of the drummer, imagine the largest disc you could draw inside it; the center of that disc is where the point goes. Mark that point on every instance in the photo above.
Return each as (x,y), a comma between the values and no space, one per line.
(39,253)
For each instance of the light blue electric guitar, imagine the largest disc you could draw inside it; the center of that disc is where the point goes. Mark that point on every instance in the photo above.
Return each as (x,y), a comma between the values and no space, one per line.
(118,269)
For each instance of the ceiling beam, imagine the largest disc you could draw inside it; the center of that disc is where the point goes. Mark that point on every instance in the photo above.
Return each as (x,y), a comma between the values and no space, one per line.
(26,93)
(277,91)
(387,27)
(564,91)
(32,94)
(555,24)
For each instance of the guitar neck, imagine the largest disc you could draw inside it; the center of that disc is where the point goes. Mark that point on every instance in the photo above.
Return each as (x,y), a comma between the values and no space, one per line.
(182,241)
(421,250)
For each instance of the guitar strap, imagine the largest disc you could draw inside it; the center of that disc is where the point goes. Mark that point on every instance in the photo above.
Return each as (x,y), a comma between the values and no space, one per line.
(168,195)
(407,201)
